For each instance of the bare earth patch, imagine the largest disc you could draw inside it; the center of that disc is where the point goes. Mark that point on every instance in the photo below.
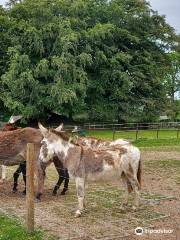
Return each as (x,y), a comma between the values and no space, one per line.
(103,219)
(160,155)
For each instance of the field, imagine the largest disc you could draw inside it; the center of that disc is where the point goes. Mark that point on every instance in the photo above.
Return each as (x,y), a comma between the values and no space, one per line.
(103,219)
(131,135)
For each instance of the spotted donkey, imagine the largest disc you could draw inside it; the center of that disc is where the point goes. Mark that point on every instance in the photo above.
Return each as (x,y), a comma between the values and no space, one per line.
(82,162)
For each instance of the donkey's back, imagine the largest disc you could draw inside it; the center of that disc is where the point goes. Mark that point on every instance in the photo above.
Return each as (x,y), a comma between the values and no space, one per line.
(13,144)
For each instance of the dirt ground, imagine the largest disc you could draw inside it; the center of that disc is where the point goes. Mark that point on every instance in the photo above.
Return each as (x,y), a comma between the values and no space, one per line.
(103,219)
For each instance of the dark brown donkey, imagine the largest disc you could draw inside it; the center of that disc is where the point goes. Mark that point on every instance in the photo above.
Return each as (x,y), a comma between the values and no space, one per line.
(13,144)
(83,162)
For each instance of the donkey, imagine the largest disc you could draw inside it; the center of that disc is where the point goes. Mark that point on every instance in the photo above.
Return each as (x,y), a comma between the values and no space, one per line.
(3,173)
(6,127)
(13,152)
(91,142)
(83,162)
(10,126)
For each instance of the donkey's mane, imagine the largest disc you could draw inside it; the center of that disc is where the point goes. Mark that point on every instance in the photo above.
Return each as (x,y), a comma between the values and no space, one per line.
(62,135)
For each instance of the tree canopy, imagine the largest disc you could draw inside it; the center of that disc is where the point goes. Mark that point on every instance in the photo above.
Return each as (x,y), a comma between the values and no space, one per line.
(106,58)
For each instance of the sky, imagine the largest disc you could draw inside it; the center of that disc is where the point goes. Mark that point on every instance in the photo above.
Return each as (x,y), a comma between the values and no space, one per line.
(170,8)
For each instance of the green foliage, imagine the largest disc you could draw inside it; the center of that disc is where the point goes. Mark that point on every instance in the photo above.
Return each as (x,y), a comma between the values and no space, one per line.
(173,74)
(4,39)
(172,83)
(105,58)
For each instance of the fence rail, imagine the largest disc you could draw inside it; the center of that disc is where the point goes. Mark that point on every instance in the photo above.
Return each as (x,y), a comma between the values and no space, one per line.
(119,126)
(131,126)
(136,128)
(127,126)
(137,132)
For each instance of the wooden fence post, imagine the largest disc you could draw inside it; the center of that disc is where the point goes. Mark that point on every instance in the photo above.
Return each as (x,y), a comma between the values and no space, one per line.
(178,132)
(137,130)
(114,131)
(157,132)
(30,187)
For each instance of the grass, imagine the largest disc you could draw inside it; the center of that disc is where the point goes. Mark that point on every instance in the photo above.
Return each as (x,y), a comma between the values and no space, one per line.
(146,138)
(10,228)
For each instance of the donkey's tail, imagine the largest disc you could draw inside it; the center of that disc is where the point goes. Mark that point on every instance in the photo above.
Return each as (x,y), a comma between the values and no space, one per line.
(139,173)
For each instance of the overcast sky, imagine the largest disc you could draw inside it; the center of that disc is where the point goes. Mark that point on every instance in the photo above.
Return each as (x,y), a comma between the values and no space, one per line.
(170,8)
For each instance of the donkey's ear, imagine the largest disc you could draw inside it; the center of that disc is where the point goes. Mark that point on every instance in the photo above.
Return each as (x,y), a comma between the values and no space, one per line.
(60,128)
(43,130)
(14,119)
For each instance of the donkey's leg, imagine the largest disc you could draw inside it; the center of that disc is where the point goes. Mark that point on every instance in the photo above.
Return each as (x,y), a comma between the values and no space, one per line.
(4,172)
(80,187)
(60,180)
(137,195)
(23,169)
(126,184)
(16,176)
(135,185)
(40,179)
(60,169)
(66,182)
(131,175)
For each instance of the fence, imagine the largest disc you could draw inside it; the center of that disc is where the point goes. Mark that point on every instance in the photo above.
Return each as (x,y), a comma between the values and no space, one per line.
(154,128)
(129,126)
(130,130)
(133,130)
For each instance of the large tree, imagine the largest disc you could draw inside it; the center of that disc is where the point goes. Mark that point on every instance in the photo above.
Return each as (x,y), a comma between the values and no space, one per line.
(173,75)
(103,57)
(172,82)
(5,42)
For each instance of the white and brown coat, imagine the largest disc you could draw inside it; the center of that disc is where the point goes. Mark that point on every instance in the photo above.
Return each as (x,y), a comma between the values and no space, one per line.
(82,161)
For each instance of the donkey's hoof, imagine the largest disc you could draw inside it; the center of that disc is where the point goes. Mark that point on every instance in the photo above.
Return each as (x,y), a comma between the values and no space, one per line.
(14,190)
(38,197)
(54,193)
(78,213)
(63,193)
(134,208)
(2,181)
(23,193)
(123,206)
(37,200)
(122,209)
